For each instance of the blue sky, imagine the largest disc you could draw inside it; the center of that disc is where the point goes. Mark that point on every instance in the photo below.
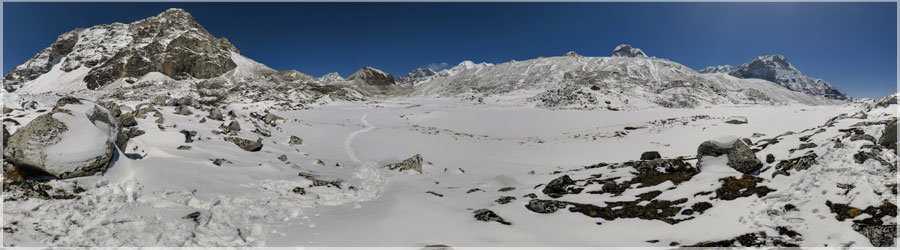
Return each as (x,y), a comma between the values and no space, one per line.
(851,45)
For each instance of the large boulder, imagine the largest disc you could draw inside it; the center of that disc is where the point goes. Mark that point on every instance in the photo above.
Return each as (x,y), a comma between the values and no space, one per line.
(740,156)
(77,138)
(889,137)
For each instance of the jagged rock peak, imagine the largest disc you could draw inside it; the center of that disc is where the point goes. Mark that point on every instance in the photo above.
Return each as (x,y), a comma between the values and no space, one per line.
(372,76)
(776,68)
(625,50)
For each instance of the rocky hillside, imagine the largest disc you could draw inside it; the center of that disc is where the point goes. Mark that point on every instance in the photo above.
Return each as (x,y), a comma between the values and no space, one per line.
(171,43)
(776,68)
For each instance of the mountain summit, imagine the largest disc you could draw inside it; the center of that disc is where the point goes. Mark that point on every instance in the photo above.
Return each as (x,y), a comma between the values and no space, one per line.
(777,69)
(625,50)
(171,43)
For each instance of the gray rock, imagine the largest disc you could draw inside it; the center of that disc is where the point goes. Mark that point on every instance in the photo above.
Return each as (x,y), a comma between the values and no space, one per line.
(183,110)
(505,199)
(488,215)
(413,163)
(888,139)
(271,119)
(857,137)
(188,135)
(545,206)
(245,144)
(5,137)
(650,155)
(559,186)
(770,158)
(283,158)
(609,187)
(127,120)
(807,146)
(30,146)
(736,120)
(295,140)
(740,156)
(233,126)
(219,161)
(216,114)
(879,235)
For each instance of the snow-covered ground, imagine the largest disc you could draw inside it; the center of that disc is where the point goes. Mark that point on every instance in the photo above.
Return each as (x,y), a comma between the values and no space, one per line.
(252,198)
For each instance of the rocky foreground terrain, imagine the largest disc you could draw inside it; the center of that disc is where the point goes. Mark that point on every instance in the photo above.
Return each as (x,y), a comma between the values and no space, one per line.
(157,133)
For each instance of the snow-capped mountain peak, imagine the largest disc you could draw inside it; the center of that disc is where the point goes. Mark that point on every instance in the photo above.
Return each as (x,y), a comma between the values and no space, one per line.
(332,77)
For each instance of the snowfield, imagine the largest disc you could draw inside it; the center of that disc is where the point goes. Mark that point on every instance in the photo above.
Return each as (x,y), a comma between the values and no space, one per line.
(252,200)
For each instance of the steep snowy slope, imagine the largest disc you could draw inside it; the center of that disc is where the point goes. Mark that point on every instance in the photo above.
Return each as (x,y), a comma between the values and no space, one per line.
(776,68)
(619,82)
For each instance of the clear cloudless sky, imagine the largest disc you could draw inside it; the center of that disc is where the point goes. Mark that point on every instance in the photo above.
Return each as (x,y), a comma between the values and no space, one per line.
(851,45)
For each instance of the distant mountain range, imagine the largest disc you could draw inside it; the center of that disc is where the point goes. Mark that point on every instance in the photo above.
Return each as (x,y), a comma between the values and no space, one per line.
(173,48)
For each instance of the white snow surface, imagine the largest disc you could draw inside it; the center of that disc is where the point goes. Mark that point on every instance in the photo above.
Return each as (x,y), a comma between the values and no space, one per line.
(249,201)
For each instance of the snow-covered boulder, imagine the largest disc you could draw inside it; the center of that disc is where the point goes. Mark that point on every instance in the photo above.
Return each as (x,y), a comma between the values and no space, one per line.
(245,144)
(736,120)
(77,138)
(625,50)
(740,156)
(413,163)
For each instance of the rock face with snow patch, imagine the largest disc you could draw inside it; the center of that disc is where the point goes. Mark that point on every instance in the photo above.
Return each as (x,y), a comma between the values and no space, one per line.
(740,156)
(625,50)
(171,43)
(776,68)
(415,75)
(76,139)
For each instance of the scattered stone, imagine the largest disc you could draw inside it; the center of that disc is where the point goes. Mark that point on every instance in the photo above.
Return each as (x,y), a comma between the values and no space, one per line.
(609,187)
(530,195)
(488,215)
(195,216)
(299,190)
(413,163)
(183,110)
(807,145)
(634,128)
(245,144)
(216,114)
(283,158)
(320,162)
(770,158)
(505,199)
(506,189)
(219,161)
(188,135)
(799,163)
(233,126)
(434,193)
(295,140)
(184,147)
(474,190)
(650,155)
(858,137)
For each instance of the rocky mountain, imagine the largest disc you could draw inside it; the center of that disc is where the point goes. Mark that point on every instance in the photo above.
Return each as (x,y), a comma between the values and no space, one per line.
(777,69)
(372,76)
(629,80)
(171,43)
(625,50)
